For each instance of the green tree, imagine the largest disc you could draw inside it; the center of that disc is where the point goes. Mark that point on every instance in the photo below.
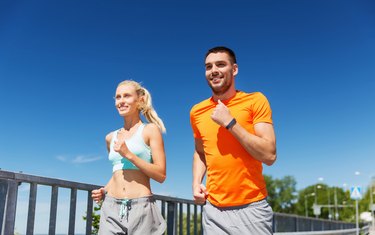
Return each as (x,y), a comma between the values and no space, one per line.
(95,220)
(365,202)
(282,193)
(184,224)
(271,189)
(341,206)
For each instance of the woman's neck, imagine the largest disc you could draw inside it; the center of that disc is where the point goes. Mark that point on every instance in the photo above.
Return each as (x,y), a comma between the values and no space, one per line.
(131,122)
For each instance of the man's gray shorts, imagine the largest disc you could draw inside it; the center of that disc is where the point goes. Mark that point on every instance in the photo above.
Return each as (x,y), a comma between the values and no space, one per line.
(131,216)
(255,218)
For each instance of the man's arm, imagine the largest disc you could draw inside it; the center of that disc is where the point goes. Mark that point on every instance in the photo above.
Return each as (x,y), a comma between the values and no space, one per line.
(199,170)
(261,145)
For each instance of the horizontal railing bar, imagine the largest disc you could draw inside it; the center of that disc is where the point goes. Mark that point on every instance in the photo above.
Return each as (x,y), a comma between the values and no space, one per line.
(175,207)
(173,199)
(69,184)
(278,214)
(21,177)
(326,232)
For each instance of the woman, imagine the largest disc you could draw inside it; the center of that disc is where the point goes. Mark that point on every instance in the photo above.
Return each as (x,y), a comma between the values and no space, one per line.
(137,154)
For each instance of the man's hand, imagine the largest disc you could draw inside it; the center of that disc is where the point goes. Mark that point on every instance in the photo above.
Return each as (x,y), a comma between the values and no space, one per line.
(221,114)
(200,194)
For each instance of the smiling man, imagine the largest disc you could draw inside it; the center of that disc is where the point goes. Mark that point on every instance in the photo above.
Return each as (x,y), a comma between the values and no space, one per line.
(234,136)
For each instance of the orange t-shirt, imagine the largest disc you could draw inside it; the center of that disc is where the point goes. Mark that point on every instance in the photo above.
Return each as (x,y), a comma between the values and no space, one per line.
(234,177)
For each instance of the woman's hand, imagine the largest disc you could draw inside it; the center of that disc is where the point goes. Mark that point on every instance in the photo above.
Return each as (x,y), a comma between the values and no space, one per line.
(98,194)
(120,145)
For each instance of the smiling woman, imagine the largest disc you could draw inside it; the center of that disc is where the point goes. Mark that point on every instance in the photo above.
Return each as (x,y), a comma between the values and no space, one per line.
(60,63)
(136,151)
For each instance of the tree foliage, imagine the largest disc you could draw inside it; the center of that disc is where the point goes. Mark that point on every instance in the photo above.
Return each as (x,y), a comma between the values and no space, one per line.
(191,228)
(95,220)
(282,193)
(335,202)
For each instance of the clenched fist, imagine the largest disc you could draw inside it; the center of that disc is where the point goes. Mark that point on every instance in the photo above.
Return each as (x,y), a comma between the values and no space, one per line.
(221,114)
(120,145)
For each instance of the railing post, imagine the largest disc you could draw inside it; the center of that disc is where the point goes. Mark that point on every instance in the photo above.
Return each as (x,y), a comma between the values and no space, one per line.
(188,219)
(200,221)
(53,210)
(181,219)
(31,212)
(89,213)
(163,209)
(297,228)
(72,211)
(171,218)
(195,220)
(10,210)
(3,197)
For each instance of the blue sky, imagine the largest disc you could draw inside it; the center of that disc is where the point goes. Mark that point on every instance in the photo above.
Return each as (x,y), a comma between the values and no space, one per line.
(60,62)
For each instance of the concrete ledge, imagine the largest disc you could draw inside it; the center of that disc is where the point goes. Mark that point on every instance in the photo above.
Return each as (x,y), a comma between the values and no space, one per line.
(327,232)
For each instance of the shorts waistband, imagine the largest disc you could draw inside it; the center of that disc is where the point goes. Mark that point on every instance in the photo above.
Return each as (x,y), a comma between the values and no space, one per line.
(129,201)
(252,204)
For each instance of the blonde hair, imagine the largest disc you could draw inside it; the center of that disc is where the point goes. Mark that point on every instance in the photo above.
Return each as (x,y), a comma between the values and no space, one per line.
(145,107)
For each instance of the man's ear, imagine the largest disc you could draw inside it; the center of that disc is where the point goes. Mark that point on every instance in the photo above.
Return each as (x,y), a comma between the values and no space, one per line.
(235,69)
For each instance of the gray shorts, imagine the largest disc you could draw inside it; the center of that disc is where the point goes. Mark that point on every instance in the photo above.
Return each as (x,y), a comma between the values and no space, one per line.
(131,216)
(255,218)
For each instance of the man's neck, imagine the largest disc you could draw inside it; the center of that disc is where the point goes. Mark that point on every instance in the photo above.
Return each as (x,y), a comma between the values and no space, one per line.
(225,96)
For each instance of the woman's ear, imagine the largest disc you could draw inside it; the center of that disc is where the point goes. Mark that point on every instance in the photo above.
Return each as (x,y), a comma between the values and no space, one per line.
(141,103)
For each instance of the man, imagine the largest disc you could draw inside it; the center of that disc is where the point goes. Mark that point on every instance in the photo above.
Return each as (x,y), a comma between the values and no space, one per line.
(234,136)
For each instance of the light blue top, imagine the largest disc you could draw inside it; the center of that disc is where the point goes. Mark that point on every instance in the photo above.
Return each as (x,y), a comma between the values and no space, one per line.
(136,145)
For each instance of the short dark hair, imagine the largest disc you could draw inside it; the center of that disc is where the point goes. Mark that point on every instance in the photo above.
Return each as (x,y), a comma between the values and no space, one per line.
(231,54)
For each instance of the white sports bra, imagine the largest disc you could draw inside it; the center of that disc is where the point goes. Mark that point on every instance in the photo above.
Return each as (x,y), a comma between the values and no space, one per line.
(136,145)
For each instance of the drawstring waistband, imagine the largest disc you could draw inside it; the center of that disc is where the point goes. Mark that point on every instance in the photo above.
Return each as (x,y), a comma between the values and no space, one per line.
(125,207)
(126,204)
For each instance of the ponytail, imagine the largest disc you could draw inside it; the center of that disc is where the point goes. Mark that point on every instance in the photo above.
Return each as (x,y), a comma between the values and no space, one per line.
(149,112)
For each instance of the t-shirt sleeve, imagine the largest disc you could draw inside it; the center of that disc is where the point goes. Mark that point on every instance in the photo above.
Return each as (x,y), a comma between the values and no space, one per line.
(261,109)
(193,124)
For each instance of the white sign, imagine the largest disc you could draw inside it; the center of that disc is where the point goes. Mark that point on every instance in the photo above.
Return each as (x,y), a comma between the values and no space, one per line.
(316,209)
(355,193)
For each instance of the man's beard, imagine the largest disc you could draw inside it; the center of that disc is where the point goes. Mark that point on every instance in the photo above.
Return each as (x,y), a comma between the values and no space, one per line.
(219,90)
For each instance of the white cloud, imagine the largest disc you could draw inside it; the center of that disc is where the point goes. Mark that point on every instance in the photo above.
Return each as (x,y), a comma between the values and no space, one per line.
(80,159)
(84,159)
(61,158)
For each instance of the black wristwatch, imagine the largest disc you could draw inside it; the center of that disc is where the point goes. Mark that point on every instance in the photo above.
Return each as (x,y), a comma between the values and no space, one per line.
(231,124)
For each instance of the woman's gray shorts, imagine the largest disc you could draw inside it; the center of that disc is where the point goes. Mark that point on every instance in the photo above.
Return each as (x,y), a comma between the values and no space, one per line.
(131,216)
(255,218)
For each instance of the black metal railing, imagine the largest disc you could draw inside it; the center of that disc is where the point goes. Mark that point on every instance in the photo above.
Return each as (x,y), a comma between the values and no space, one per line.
(295,223)
(183,216)
(177,211)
